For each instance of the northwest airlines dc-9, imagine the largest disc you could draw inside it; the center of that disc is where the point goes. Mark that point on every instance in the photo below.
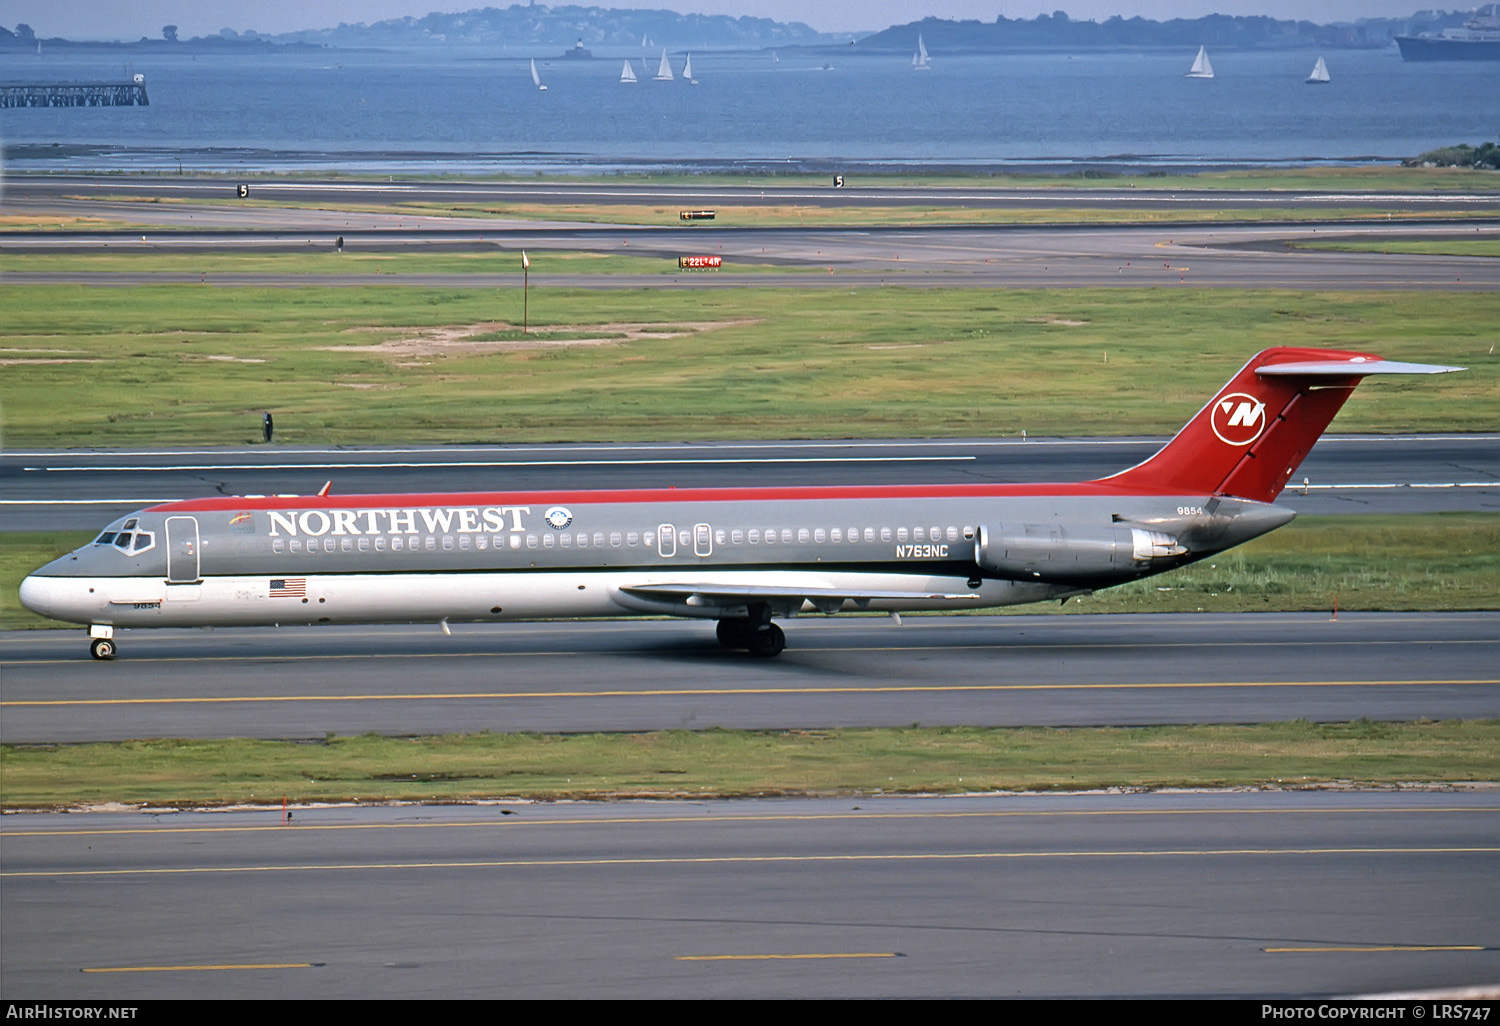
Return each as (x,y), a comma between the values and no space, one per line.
(740,556)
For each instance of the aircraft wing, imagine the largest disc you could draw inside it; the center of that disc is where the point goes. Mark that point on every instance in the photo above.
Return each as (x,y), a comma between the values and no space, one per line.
(824,597)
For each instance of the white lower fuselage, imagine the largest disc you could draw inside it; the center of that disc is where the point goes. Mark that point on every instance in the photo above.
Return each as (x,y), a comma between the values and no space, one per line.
(477,597)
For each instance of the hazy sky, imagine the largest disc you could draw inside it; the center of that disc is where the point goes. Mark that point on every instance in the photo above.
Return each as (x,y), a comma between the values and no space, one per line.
(131,19)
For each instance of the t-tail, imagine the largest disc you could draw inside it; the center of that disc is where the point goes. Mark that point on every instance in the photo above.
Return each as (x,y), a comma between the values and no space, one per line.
(1251,437)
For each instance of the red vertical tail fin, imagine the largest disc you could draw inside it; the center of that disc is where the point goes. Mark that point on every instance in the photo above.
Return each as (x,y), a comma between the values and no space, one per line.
(1251,437)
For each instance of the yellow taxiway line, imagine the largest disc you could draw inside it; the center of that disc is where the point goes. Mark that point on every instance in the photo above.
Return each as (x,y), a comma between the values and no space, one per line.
(731,692)
(731,860)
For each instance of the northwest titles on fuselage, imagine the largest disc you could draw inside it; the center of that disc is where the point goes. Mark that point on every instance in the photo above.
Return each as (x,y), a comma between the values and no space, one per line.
(314,523)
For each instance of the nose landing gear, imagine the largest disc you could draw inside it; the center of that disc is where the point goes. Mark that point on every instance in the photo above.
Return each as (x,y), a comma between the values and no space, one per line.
(103,644)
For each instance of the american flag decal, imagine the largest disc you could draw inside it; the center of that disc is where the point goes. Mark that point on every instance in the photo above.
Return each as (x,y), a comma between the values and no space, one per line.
(289,587)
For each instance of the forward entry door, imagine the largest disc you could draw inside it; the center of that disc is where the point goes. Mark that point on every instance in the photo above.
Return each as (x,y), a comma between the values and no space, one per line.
(182,550)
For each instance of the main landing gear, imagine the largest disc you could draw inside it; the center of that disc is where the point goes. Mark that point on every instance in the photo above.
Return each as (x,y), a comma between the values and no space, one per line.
(759,639)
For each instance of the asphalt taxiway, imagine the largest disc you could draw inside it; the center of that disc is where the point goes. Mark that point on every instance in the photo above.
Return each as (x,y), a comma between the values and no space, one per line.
(1007,670)
(1232,895)
(996,256)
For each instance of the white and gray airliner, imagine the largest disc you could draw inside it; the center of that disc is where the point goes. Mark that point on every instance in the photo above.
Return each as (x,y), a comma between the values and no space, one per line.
(743,557)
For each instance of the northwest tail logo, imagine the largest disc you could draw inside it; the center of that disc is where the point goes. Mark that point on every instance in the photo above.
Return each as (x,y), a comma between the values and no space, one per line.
(1238,418)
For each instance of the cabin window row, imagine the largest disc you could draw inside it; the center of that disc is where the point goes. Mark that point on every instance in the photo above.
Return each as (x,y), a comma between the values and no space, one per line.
(625,539)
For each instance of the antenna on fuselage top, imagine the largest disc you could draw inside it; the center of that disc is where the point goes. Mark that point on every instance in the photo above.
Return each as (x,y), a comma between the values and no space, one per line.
(327,487)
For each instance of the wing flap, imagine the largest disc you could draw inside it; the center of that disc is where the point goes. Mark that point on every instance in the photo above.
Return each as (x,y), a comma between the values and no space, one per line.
(719,592)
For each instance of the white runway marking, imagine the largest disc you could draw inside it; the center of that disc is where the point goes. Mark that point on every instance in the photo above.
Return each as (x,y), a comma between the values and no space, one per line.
(511,463)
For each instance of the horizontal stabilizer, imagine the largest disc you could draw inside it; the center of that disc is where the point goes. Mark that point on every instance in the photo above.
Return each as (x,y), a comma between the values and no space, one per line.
(1359,365)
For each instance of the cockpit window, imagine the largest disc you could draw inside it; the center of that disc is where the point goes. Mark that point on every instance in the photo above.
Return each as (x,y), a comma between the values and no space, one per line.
(126,541)
(130,525)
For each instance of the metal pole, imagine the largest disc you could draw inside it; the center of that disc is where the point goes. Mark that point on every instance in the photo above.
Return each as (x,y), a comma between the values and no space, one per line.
(525,292)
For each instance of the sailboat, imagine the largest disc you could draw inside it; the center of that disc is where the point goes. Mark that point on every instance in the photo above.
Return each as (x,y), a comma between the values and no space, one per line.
(664,71)
(1201,68)
(687,71)
(627,73)
(1319,74)
(919,60)
(535,78)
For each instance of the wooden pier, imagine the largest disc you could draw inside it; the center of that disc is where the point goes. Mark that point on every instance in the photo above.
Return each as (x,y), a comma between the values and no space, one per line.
(75,94)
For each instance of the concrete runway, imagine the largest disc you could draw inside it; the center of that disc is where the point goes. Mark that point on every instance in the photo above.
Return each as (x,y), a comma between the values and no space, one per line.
(1060,255)
(60,192)
(85,489)
(1234,895)
(1013,670)
(816,258)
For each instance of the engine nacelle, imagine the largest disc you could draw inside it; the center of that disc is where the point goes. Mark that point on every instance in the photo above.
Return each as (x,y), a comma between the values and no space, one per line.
(1063,552)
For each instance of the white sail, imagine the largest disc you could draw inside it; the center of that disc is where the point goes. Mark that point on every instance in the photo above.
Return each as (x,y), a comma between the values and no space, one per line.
(535,78)
(919,60)
(1319,73)
(664,70)
(687,68)
(627,73)
(1201,68)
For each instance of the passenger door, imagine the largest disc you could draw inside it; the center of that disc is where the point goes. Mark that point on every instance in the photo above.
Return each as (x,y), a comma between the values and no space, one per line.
(182,550)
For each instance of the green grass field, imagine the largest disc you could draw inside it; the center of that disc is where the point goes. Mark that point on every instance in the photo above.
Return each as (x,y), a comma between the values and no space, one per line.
(717,763)
(146,258)
(194,364)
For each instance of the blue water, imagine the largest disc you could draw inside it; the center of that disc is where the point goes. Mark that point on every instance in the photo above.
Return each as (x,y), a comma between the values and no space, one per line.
(379,111)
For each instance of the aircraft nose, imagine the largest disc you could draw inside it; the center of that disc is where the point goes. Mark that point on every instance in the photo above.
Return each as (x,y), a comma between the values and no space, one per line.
(50,597)
(34,594)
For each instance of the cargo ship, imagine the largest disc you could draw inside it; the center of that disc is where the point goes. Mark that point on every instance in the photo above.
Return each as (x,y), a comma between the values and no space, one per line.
(1477,40)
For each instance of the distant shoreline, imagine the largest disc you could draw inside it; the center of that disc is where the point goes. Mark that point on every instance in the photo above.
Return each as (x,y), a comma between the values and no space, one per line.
(605,52)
